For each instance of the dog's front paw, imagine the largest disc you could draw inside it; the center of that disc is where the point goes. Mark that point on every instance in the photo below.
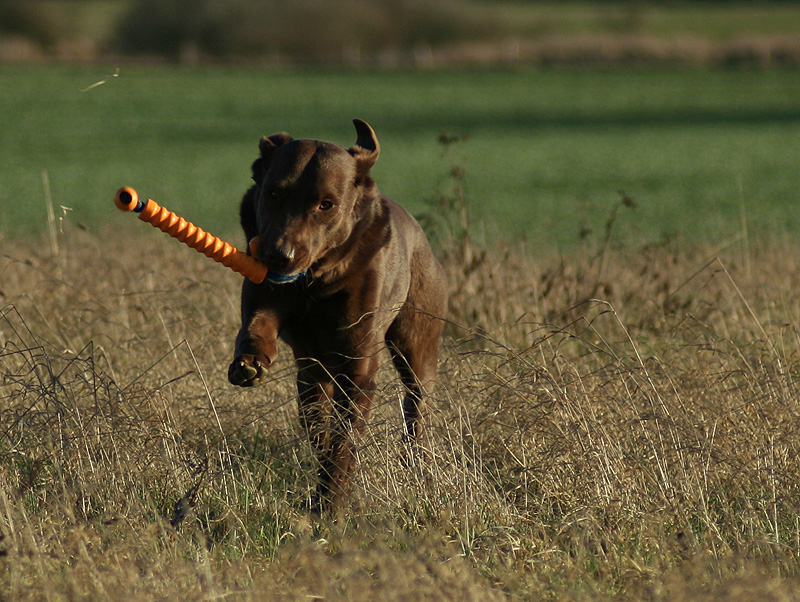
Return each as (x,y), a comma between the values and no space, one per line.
(246,371)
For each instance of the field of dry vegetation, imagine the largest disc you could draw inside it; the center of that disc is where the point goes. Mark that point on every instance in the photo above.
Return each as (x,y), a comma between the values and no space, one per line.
(611,424)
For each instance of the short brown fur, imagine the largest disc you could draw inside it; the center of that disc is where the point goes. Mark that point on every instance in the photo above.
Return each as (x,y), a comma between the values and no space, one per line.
(366,279)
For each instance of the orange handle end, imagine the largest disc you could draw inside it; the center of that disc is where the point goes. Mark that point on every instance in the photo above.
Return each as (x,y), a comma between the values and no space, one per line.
(127,199)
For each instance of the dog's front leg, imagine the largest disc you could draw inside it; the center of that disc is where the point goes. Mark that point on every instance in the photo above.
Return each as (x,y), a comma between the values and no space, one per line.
(256,350)
(257,341)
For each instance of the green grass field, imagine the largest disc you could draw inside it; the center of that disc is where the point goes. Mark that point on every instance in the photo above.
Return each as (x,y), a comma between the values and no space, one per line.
(547,155)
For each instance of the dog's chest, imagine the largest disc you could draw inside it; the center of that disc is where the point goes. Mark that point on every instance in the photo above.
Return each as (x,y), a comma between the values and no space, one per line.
(341,323)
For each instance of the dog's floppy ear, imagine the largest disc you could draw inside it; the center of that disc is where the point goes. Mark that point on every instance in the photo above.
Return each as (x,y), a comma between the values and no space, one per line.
(267,146)
(366,148)
(269,143)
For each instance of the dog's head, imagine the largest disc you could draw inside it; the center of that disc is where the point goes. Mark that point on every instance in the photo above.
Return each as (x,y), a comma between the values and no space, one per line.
(309,196)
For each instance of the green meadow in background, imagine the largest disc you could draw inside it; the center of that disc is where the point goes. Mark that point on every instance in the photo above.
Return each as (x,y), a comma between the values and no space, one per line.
(546,155)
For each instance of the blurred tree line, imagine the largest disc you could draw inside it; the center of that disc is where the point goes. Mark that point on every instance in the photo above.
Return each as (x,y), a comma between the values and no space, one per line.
(316,30)
(327,30)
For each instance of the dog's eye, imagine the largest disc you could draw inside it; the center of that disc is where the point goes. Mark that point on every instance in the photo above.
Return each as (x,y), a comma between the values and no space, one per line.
(325,205)
(272,193)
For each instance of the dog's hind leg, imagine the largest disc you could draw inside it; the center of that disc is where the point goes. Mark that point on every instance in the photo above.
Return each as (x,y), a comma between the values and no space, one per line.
(413,340)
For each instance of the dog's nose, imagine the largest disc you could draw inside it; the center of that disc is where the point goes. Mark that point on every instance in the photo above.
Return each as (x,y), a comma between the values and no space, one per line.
(278,258)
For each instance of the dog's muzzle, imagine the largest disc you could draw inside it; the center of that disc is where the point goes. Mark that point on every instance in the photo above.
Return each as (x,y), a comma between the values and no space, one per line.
(274,277)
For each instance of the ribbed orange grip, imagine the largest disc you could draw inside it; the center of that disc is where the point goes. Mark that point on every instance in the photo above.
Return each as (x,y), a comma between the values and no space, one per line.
(198,239)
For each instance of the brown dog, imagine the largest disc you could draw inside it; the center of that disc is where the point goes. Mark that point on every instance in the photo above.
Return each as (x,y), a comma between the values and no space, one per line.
(350,272)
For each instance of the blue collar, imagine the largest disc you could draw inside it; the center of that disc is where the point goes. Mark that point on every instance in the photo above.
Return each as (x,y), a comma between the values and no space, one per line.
(278,279)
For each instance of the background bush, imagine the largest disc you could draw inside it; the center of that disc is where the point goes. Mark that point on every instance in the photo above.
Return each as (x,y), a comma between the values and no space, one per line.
(305,29)
(23,18)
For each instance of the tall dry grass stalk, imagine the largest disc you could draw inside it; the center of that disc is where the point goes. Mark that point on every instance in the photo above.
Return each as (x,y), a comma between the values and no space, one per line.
(616,425)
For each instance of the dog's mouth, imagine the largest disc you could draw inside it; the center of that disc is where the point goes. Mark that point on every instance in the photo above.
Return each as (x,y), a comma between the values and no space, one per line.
(283,274)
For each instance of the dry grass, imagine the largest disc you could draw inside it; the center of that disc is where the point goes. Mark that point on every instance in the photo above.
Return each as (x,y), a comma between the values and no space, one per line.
(614,424)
